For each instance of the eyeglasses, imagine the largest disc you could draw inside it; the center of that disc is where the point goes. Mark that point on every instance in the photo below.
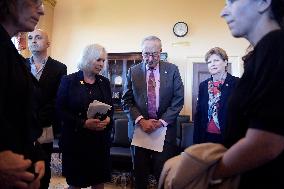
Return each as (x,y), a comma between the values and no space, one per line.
(148,54)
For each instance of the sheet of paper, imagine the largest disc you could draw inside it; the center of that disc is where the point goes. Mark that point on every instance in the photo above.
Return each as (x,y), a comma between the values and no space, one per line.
(97,107)
(153,141)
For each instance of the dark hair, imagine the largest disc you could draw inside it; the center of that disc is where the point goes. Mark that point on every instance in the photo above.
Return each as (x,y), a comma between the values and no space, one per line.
(277,9)
(7,9)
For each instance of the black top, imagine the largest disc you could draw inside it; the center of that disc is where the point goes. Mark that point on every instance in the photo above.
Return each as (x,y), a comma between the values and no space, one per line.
(18,125)
(258,103)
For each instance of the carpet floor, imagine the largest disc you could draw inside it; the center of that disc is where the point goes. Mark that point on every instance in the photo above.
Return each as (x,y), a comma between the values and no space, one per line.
(59,182)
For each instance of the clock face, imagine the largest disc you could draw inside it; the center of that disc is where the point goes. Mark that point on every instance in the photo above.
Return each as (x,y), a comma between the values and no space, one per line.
(180,29)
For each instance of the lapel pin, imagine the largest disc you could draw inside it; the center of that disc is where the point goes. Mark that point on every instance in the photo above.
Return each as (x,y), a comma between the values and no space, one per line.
(166,72)
(82,82)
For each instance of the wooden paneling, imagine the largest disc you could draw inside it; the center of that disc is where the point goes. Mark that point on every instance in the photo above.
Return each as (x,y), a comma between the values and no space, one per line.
(116,68)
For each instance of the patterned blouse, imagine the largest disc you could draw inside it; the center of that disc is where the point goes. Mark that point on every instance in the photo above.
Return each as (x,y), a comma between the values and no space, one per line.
(213,106)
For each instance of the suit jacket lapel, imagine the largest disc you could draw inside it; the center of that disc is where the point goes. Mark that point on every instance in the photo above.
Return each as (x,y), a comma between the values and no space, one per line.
(163,81)
(82,89)
(46,70)
(141,77)
(164,72)
(102,87)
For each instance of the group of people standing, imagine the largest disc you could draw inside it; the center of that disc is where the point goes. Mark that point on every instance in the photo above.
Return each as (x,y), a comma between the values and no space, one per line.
(242,114)
(250,123)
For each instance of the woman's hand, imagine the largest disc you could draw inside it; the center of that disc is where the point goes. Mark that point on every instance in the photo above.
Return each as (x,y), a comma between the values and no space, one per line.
(96,124)
(105,122)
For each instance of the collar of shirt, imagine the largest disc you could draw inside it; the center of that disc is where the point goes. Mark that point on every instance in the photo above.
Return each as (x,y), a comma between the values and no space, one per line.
(43,61)
(154,69)
(34,71)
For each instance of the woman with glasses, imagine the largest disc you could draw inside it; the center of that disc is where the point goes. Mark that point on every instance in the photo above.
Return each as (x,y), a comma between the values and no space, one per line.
(211,111)
(21,164)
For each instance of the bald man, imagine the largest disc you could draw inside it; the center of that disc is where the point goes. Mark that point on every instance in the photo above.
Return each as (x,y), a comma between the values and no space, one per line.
(48,72)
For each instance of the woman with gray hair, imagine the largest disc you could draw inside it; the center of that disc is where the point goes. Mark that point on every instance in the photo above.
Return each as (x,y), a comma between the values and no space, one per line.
(85,142)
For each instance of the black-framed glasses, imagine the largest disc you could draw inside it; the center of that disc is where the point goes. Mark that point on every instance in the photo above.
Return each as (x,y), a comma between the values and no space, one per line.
(148,54)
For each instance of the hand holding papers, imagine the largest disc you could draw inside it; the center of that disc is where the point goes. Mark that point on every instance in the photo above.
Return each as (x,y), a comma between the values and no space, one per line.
(98,110)
(153,141)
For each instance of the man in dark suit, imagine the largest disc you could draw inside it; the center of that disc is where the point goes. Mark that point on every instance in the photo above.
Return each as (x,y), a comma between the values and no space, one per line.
(153,98)
(48,72)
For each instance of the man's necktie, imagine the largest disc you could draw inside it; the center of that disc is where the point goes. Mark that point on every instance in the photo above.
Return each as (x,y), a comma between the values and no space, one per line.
(152,110)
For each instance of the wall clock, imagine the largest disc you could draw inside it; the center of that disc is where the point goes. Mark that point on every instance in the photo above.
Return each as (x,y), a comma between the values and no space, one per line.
(180,29)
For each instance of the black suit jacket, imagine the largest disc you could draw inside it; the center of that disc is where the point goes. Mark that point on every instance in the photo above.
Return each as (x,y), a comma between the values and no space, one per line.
(48,84)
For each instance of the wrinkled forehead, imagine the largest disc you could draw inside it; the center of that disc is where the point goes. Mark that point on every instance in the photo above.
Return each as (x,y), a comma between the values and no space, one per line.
(151,46)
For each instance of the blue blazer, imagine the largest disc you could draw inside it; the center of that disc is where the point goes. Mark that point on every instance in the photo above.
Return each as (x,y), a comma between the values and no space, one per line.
(201,116)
